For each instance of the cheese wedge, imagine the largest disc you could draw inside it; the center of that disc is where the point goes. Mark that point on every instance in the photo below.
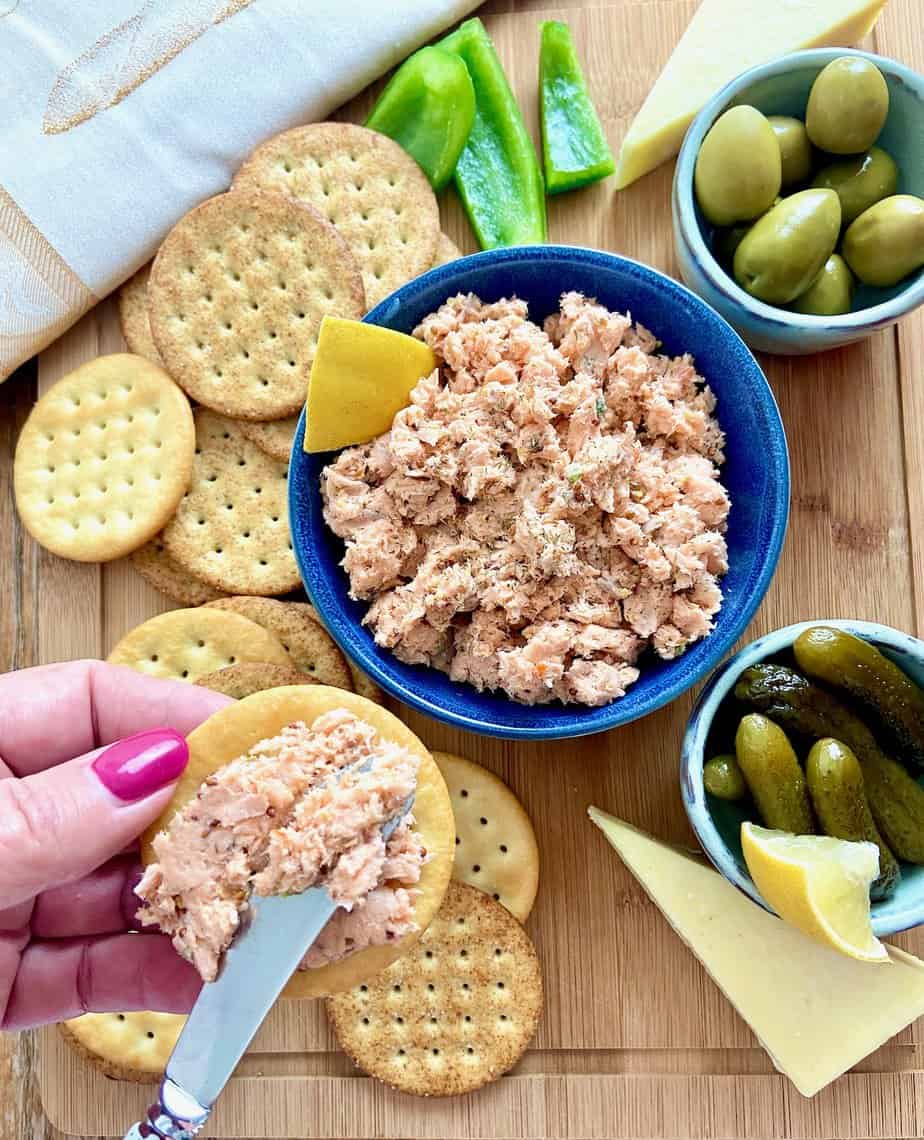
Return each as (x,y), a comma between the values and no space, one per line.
(360,377)
(816,1012)
(724,38)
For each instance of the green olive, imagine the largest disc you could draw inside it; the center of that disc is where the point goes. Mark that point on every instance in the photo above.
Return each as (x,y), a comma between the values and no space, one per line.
(859,182)
(795,148)
(783,252)
(831,293)
(727,241)
(847,106)
(886,242)
(738,168)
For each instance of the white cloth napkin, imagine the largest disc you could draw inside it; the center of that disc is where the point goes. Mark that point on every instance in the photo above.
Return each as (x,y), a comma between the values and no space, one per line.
(117,116)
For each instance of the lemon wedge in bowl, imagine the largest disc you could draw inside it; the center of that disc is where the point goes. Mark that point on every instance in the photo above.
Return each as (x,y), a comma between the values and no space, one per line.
(819,885)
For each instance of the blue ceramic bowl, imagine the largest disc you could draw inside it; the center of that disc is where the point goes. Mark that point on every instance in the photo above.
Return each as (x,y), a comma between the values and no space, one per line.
(717,823)
(756,474)
(781,88)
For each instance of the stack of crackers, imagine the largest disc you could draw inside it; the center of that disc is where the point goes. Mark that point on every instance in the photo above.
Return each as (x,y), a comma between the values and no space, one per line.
(324,219)
(460,1008)
(239,646)
(176,454)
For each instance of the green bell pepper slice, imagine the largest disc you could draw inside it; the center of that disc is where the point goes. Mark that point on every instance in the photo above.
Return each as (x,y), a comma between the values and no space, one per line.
(428,108)
(574,148)
(498,174)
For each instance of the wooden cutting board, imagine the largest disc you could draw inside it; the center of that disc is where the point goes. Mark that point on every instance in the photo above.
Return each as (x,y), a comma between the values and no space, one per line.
(636,1041)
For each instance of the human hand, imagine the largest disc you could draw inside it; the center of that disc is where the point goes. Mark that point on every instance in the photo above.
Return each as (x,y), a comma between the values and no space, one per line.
(68,938)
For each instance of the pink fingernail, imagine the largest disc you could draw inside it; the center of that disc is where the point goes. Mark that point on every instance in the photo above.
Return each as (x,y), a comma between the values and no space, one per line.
(142,764)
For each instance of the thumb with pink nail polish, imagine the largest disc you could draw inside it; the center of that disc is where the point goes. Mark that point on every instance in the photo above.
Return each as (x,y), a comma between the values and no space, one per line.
(65,821)
(142,764)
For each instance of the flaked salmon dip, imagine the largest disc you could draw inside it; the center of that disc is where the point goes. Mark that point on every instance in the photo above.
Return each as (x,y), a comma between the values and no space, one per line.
(302,808)
(547,507)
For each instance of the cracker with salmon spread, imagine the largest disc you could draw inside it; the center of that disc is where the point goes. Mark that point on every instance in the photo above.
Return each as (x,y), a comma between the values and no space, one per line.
(311,647)
(242,732)
(366,185)
(496,848)
(455,1013)
(236,297)
(232,528)
(125,1046)
(133,316)
(104,458)
(188,644)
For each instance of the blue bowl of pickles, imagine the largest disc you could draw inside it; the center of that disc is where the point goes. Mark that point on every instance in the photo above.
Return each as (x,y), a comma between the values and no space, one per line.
(834,688)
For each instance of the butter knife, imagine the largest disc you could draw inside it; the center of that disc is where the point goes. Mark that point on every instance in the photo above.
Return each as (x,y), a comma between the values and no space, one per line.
(275,934)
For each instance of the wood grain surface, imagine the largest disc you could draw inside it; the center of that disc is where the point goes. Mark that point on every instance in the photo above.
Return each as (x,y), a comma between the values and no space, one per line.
(636,1041)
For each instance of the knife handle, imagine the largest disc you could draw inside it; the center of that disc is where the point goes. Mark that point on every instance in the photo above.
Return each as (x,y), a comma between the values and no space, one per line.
(176,1116)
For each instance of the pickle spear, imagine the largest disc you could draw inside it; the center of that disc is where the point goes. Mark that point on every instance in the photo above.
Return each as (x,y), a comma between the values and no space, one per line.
(846,662)
(773,776)
(895,799)
(835,783)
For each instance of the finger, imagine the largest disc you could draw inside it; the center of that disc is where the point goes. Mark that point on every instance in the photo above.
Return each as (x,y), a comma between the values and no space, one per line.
(59,825)
(11,947)
(53,712)
(114,974)
(103,902)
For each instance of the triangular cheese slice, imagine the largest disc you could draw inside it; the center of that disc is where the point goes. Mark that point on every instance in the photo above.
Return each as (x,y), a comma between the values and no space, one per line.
(816,1012)
(724,38)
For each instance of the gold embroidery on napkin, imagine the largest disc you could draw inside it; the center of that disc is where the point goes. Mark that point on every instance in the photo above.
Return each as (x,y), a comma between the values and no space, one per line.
(125,57)
(40,295)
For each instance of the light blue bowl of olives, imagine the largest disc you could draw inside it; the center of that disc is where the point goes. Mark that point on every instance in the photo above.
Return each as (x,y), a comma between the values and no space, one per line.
(800,248)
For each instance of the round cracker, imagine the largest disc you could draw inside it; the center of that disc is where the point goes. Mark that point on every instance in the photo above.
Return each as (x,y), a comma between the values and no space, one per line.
(232,528)
(456,1012)
(275,437)
(133,316)
(496,848)
(126,1046)
(233,730)
(189,644)
(373,191)
(446,250)
(249,677)
(158,569)
(104,458)
(236,297)
(364,685)
(310,646)
(361,683)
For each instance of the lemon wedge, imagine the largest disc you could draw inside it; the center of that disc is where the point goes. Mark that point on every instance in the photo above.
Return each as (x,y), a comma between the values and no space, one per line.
(361,377)
(819,885)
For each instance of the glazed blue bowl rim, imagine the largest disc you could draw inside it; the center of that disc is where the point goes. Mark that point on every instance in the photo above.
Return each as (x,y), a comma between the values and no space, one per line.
(692,754)
(581,722)
(904,302)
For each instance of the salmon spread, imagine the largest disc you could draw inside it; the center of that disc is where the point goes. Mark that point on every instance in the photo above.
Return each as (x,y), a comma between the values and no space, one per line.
(303,808)
(547,507)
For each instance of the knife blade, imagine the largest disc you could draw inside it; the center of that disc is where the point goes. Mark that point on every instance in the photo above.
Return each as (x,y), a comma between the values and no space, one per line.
(275,934)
